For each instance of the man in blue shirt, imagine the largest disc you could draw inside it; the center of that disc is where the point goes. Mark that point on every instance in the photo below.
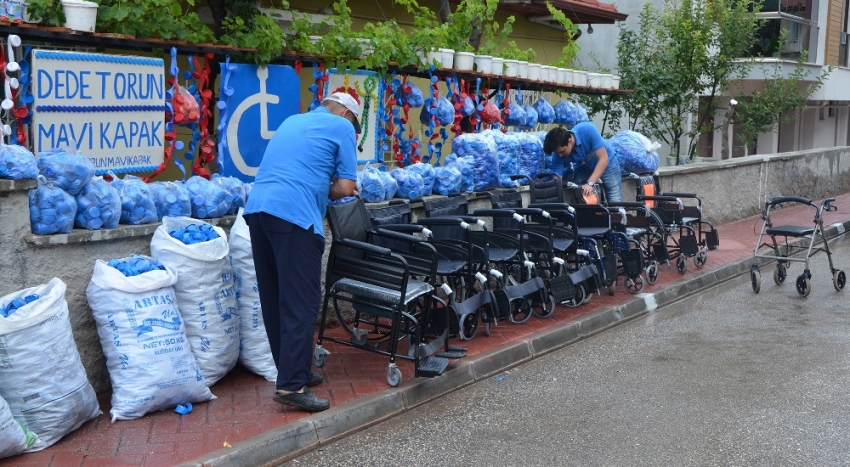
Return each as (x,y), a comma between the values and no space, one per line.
(311,158)
(593,158)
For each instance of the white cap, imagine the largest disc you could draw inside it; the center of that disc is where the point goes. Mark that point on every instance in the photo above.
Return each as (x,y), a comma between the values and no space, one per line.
(345,99)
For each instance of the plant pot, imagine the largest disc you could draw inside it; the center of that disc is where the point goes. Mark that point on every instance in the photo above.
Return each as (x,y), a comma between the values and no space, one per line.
(561,75)
(607,81)
(366,46)
(522,71)
(448,56)
(552,74)
(534,71)
(80,15)
(594,80)
(511,68)
(434,56)
(464,61)
(423,57)
(497,66)
(568,76)
(615,82)
(483,64)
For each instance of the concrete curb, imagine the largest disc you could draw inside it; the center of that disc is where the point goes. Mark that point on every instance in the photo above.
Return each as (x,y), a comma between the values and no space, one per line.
(296,438)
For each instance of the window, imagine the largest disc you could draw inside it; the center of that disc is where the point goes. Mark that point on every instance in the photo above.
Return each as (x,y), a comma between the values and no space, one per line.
(798,8)
(767,37)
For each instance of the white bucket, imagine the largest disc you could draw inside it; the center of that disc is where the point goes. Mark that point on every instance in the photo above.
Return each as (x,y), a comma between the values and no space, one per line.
(594,80)
(580,78)
(568,77)
(448,57)
(80,15)
(523,70)
(615,82)
(607,81)
(464,61)
(434,56)
(497,66)
(483,64)
(551,74)
(561,76)
(534,71)
(511,68)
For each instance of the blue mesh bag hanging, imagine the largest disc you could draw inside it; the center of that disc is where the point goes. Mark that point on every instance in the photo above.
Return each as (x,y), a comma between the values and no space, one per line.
(411,95)
(565,113)
(530,117)
(17,163)
(467,107)
(234,191)
(137,206)
(52,210)
(516,115)
(445,112)
(545,112)
(208,199)
(447,180)
(581,113)
(635,152)
(370,185)
(171,199)
(66,170)
(98,206)
(426,171)
(410,183)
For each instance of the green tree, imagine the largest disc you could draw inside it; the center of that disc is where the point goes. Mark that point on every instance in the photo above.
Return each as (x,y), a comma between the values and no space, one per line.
(686,50)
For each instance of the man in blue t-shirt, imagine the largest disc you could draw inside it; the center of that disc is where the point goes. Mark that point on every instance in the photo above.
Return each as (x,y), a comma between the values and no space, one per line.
(593,158)
(311,158)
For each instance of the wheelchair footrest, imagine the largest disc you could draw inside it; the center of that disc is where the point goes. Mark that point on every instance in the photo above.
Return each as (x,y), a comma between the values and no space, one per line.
(430,367)
(452,355)
(562,288)
(712,239)
(659,250)
(503,304)
(455,348)
(632,262)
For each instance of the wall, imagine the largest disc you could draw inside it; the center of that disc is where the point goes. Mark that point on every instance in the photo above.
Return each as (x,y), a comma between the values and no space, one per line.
(28,260)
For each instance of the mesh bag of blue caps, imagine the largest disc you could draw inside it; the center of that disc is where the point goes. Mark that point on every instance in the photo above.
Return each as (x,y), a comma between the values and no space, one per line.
(69,195)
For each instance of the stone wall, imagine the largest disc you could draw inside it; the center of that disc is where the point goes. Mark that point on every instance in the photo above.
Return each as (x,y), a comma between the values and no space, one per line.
(730,190)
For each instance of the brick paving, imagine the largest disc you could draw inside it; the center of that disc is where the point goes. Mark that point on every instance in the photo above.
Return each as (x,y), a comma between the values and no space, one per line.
(244,407)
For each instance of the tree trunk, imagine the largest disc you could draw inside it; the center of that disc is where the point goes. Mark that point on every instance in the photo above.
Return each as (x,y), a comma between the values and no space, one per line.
(475,37)
(219,11)
(445,11)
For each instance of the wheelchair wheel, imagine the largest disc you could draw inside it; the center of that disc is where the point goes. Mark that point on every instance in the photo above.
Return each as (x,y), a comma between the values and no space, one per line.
(839,280)
(544,310)
(652,272)
(319,358)
(779,274)
(468,326)
(486,328)
(587,298)
(633,285)
(700,258)
(393,375)
(520,311)
(804,285)
(681,265)
(755,280)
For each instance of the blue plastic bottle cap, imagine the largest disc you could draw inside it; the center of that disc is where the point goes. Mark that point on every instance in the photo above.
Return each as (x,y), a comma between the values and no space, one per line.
(170,198)
(198,200)
(95,223)
(93,211)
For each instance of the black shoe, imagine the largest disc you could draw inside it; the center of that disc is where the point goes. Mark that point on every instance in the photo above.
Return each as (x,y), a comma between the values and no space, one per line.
(315,379)
(304,400)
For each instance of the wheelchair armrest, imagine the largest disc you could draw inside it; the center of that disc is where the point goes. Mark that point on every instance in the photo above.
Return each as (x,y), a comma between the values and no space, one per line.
(551,206)
(494,212)
(678,194)
(520,177)
(407,228)
(396,235)
(529,211)
(441,221)
(672,199)
(627,204)
(378,250)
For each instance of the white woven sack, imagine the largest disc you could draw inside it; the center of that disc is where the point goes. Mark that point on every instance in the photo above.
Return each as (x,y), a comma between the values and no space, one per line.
(206,295)
(41,375)
(14,437)
(150,363)
(254,351)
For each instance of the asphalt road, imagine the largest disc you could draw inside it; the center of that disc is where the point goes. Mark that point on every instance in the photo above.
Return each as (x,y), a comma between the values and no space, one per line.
(726,378)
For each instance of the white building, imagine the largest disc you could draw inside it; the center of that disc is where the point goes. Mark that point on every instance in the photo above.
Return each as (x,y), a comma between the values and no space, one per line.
(817,26)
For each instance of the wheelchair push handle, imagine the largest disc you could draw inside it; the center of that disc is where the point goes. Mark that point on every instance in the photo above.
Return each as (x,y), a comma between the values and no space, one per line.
(828,206)
(788,199)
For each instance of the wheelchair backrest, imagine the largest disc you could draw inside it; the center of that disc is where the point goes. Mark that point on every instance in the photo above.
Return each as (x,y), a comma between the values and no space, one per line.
(591,215)
(349,221)
(447,207)
(547,189)
(507,200)
(395,213)
(647,186)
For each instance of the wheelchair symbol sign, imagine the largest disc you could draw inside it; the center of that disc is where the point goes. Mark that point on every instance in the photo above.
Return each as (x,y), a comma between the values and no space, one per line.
(263,97)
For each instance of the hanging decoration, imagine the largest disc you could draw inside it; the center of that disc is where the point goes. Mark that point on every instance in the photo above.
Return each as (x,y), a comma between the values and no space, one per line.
(365,87)
(224,93)
(170,134)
